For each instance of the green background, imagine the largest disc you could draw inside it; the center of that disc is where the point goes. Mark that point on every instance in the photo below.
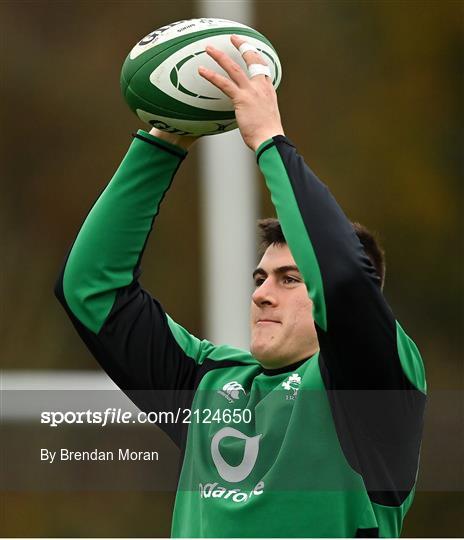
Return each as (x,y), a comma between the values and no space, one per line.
(372,95)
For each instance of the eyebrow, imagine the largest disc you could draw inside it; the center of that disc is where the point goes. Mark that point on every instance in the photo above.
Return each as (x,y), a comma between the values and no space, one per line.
(279,270)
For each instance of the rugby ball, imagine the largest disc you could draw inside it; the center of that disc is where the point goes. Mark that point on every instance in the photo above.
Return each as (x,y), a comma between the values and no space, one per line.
(161,84)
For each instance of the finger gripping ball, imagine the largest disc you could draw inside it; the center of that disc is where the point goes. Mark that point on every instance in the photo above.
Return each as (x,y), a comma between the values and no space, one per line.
(160,80)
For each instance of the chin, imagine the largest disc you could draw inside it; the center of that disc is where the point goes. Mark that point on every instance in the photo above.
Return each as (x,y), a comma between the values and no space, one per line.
(263,353)
(258,350)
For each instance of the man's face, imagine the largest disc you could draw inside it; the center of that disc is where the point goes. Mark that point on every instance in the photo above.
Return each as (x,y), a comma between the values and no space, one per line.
(282,326)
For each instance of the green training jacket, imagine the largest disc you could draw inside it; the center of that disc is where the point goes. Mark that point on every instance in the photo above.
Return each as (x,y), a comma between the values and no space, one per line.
(326,447)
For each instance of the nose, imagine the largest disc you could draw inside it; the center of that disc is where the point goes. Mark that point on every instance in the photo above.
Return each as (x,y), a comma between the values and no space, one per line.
(265,294)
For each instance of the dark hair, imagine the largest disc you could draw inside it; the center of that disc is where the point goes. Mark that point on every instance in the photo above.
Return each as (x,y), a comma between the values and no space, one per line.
(271,233)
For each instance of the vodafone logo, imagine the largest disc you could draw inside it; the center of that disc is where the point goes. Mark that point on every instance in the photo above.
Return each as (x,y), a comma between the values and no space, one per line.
(239,472)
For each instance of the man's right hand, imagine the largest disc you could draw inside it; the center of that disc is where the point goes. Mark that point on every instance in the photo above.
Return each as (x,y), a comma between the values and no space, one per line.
(183,141)
(254,98)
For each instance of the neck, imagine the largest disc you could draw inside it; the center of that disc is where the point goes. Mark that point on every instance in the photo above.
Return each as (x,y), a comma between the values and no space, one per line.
(288,363)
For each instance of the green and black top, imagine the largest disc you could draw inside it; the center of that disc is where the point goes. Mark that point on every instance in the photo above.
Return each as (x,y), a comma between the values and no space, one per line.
(327,447)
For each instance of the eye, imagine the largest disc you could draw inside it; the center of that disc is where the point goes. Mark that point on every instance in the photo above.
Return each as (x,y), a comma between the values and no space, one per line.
(290,280)
(259,281)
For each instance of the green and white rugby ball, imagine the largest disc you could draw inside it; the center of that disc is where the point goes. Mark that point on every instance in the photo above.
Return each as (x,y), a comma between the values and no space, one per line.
(160,80)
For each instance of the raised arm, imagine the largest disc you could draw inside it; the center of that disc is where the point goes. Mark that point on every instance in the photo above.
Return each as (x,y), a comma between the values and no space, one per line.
(128,332)
(362,345)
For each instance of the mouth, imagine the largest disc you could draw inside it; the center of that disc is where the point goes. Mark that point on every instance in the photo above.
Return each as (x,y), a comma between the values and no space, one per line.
(266,321)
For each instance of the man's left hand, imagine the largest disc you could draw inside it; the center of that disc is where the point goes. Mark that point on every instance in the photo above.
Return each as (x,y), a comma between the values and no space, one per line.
(254,99)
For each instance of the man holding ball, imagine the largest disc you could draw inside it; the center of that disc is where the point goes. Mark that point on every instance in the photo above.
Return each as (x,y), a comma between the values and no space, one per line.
(318,427)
